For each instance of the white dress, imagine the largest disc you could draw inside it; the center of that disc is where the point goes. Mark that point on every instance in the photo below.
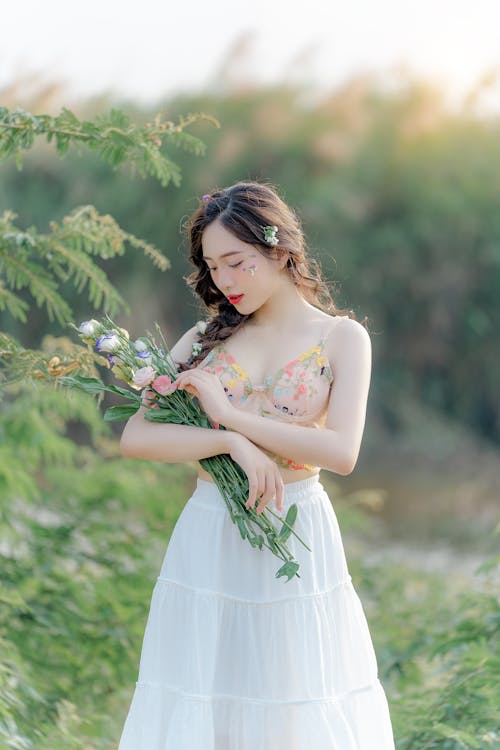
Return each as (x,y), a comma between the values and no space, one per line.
(234,658)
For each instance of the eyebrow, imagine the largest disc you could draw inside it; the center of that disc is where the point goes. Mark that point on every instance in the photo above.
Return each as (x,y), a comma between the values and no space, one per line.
(224,255)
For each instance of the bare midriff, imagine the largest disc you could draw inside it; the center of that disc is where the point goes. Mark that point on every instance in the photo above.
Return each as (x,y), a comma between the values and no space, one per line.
(288,475)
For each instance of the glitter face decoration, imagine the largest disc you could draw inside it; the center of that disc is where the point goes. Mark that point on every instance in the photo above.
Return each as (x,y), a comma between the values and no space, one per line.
(250,269)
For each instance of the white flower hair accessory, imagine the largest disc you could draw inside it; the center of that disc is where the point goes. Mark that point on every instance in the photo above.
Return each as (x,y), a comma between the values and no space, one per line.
(270,235)
(196,348)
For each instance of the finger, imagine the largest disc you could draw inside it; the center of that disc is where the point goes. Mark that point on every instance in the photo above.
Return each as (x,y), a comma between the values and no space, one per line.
(182,379)
(252,490)
(147,396)
(186,384)
(192,373)
(280,492)
(262,505)
(257,489)
(189,383)
(182,376)
(266,494)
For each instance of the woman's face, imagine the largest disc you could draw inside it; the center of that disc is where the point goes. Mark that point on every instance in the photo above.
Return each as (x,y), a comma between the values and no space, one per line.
(237,268)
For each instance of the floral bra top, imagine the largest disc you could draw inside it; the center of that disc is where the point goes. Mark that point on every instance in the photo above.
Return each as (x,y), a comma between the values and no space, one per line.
(297,393)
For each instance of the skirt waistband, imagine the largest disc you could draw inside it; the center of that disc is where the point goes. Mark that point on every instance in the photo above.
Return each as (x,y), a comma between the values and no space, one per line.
(295,490)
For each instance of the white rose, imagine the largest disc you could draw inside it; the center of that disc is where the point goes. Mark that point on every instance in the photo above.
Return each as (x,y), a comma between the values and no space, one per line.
(144,376)
(201,326)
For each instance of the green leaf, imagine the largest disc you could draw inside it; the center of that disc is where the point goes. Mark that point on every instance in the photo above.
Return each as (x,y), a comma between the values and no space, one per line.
(11,302)
(124,392)
(164,416)
(289,569)
(241,527)
(116,413)
(88,385)
(93,386)
(290,520)
(465,738)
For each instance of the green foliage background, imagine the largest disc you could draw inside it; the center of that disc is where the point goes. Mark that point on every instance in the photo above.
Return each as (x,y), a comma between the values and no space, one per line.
(398,200)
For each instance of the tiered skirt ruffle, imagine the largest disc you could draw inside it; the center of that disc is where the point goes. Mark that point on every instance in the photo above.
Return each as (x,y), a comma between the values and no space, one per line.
(235,659)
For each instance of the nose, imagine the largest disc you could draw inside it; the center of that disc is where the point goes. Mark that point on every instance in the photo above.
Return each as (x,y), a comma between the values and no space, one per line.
(226,279)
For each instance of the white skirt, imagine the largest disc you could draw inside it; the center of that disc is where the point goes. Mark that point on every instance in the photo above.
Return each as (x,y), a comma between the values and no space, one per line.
(234,658)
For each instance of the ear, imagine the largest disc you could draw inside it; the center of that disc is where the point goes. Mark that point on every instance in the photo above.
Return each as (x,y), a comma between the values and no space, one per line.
(283,259)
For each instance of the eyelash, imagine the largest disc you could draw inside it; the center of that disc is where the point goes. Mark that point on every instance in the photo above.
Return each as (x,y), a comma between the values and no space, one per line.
(235,266)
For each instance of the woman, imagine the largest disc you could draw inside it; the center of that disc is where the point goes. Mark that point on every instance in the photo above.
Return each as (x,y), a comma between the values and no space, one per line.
(234,658)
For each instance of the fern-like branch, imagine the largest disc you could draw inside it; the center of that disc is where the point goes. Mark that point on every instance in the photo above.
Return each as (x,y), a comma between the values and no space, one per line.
(112,135)
(58,356)
(41,262)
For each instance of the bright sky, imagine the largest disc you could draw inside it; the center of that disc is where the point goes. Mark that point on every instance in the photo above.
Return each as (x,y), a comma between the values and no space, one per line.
(152,48)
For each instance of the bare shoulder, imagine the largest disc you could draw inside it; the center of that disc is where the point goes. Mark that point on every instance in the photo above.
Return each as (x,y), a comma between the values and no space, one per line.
(348,327)
(181,351)
(346,337)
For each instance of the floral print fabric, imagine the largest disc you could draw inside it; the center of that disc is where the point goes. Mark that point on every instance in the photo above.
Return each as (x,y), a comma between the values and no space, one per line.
(297,393)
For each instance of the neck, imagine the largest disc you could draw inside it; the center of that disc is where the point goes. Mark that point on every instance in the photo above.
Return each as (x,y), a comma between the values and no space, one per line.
(284,307)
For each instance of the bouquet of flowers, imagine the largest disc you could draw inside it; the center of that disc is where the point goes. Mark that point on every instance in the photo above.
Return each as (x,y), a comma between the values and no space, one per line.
(144,364)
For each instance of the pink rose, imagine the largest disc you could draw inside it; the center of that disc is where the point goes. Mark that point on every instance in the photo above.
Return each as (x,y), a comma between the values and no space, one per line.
(143,376)
(163,385)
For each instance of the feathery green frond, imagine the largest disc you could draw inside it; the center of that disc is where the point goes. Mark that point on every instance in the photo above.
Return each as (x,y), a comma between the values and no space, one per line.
(58,356)
(21,272)
(84,228)
(111,135)
(65,254)
(59,548)
(13,304)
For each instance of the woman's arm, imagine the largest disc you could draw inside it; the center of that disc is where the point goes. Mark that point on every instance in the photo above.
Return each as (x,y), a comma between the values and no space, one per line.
(335,447)
(173,443)
(312,445)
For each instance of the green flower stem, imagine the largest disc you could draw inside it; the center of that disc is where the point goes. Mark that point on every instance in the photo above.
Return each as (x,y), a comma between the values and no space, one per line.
(260,520)
(267,509)
(182,408)
(276,515)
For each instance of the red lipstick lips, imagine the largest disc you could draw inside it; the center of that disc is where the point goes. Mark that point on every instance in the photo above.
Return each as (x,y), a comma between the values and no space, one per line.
(235,299)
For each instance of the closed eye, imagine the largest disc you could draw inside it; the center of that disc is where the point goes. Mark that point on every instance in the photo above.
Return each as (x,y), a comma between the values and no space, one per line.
(230,266)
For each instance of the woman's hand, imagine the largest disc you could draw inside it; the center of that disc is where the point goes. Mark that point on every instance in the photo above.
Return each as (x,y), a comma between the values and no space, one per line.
(264,479)
(208,390)
(148,397)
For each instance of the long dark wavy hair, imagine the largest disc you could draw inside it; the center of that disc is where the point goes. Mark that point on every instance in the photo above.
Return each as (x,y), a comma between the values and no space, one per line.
(243,209)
